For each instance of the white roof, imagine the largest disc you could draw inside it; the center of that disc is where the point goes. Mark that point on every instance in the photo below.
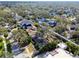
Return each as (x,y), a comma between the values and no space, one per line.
(21,55)
(61,54)
(62,45)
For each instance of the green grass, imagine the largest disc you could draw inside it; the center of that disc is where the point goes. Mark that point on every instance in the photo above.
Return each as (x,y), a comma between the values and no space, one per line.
(1,52)
(1,47)
(0,40)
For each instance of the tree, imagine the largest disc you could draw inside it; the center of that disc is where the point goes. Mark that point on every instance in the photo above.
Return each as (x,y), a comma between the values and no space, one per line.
(1,47)
(5,35)
(3,30)
(72,48)
(60,28)
(49,46)
(36,24)
(22,37)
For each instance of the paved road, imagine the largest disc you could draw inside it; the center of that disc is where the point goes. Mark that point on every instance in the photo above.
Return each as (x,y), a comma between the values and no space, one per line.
(64,38)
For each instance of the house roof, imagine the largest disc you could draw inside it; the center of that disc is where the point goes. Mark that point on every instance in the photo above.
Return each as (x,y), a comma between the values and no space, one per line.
(25,21)
(30,49)
(62,45)
(60,54)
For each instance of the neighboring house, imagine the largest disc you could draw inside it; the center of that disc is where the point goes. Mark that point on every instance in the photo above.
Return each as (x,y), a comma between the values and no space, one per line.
(71,28)
(15,48)
(30,50)
(60,53)
(52,13)
(41,20)
(16,16)
(64,16)
(62,45)
(25,24)
(47,21)
(57,53)
(39,40)
(52,23)
(32,31)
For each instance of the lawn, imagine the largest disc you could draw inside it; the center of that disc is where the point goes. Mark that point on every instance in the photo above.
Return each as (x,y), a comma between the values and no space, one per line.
(1,49)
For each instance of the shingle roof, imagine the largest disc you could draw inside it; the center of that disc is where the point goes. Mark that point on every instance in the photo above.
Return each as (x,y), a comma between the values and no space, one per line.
(26,22)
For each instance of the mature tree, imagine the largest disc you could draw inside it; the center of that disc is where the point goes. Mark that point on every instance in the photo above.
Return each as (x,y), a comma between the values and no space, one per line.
(49,46)
(1,47)
(22,37)
(3,30)
(73,48)
(60,28)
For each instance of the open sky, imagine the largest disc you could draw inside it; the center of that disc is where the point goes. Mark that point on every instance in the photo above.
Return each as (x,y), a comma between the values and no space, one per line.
(39,0)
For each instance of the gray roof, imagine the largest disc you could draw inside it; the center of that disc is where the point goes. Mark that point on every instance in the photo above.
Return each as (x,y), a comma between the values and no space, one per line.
(25,21)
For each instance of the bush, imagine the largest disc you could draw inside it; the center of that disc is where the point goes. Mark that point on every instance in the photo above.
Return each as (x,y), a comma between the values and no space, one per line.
(5,34)
(59,29)
(72,48)
(49,46)
(1,53)
(9,48)
(36,24)
(3,30)
(0,40)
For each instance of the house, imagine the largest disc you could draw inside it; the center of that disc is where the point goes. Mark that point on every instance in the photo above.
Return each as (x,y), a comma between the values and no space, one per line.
(32,31)
(57,53)
(62,45)
(60,53)
(16,16)
(41,20)
(52,23)
(53,12)
(15,48)
(71,28)
(25,24)
(30,50)
(39,40)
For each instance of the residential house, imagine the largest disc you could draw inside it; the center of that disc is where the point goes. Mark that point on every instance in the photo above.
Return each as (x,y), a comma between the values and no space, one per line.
(71,28)
(38,39)
(41,20)
(16,16)
(25,24)
(15,48)
(32,31)
(62,45)
(52,23)
(30,50)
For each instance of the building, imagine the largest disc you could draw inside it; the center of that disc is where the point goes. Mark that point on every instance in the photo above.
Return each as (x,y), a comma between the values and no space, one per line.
(25,24)
(30,50)
(32,31)
(40,41)
(57,53)
(62,45)
(52,23)
(61,53)
(16,16)
(15,48)
(41,20)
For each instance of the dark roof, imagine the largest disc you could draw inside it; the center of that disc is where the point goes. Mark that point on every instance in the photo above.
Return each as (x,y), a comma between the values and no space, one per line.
(52,23)
(39,40)
(26,22)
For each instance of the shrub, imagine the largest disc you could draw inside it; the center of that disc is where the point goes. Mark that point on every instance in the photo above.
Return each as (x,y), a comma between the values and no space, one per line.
(73,48)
